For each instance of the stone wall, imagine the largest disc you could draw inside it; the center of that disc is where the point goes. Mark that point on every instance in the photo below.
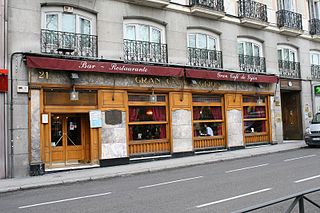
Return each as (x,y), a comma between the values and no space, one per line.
(234,127)
(181,131)
(113,139)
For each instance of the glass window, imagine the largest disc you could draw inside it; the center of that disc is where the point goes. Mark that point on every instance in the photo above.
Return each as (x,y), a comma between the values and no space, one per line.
(142,32)
(192,40)
(254,114)
(286,54)
(52,22)
(315,58)
(69,23)
(156,36)
(248,48)
(202,41)
(130,32)
(207,115)
(317,9)
(85,26)
(147,122)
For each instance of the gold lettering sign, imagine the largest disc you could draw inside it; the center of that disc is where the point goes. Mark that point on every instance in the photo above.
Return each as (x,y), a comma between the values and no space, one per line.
(176,82)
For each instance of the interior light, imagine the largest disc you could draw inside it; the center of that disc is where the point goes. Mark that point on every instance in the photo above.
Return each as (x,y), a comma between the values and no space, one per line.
(149,112)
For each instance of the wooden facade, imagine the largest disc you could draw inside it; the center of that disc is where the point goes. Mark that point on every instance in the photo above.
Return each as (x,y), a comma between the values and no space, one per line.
(103,99)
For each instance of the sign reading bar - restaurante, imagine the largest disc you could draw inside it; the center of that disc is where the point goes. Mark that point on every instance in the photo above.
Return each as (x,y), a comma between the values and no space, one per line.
(139,69)
(98,66)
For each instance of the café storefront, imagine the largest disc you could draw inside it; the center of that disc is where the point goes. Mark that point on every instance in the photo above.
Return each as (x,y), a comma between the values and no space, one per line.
(106,112)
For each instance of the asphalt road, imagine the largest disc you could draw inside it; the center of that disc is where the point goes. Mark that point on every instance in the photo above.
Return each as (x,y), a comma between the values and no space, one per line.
(218,187)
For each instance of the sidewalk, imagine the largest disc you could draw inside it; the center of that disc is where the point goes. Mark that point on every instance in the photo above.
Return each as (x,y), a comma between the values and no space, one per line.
(15,184)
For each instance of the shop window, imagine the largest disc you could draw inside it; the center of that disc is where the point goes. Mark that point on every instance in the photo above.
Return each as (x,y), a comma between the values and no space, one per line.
(254,114)
(147,121)
(207,116)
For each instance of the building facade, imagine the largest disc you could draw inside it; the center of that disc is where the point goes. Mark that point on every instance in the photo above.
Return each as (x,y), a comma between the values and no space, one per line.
(99,83)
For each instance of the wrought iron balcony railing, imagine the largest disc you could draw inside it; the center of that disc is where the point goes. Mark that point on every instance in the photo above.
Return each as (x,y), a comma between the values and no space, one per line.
(216,5)
(254,64)
(57,42)
(204,58)
(144,51)
(253,10)
(315,72)
(314,26)
(289,69)
(289,19)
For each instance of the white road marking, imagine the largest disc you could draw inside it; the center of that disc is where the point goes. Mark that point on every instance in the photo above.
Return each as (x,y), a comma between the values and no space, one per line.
(174,181)
(233,198)
(245,168)
(64,200)
(306,179)
(307,156)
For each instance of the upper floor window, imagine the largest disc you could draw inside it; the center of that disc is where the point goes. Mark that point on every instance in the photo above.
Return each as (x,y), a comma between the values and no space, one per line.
(54,18)
(144,41)
(249,47)
(203,49)
(286,53)
(315,57)
(314,8)
(202,41)
(68,32)
(251,56)
(287,5)
(141,30)
(288,62)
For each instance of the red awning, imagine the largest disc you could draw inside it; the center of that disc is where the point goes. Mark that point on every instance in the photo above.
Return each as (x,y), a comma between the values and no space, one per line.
(231,76)
(3,83)
(97,66)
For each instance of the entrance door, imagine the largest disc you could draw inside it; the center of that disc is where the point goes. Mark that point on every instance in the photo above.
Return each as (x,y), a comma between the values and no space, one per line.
(291,115)
(68,138)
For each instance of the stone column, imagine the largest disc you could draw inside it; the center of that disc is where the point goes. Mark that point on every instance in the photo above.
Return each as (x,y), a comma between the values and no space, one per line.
(113,139)
(235,128)
(182,131)
(35,126)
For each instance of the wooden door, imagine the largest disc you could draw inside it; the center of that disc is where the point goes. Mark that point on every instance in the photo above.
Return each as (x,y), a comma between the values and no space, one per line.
(291,115)
(68,138)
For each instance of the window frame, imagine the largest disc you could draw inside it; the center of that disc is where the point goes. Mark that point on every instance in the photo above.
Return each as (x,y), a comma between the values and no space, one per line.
(253,43)
(317,54)
(148,104)
(208,35)
(204,121)
(151,25)
(290,50)
(263,119)
(283,4)
(79,14)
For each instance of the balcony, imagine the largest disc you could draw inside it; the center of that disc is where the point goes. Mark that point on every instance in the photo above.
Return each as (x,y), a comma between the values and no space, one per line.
(315,28)
(204,58)
(150,3)
(289,69)
(315,72)
(144,51)
(253,64)
(253,14)
(212,9)
(290,23)
(57,42)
